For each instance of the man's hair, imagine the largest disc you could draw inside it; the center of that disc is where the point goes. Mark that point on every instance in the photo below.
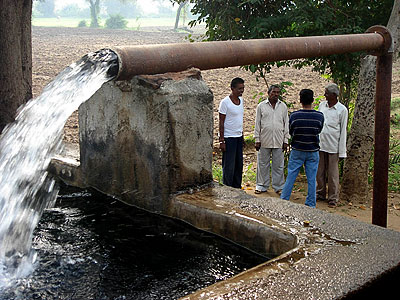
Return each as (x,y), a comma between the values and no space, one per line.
(236,81)
(332,88)
(274,86)
(306,96)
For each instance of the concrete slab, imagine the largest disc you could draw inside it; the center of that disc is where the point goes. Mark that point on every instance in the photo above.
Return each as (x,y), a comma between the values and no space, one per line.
(334,257)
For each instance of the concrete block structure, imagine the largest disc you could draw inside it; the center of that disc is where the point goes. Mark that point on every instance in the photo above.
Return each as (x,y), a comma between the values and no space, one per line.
(144,139)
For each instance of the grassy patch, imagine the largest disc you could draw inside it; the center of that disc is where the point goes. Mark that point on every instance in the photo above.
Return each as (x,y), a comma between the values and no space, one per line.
(217,172)
(133,24)
(55,22)
(249,174)
(395,116)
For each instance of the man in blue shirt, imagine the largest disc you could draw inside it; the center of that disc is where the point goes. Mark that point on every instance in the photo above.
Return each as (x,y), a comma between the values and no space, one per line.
(305,126)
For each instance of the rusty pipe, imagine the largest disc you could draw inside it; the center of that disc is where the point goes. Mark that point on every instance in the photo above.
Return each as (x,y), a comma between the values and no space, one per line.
(383,96)
(382,136)
(158,59)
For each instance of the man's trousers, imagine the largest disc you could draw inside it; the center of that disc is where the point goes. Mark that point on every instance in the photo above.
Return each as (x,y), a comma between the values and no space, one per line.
(232,162)
(263,165)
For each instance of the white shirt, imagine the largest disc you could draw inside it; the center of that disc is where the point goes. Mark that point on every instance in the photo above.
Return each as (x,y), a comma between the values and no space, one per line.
(233,125)
(272,124)
(334,133)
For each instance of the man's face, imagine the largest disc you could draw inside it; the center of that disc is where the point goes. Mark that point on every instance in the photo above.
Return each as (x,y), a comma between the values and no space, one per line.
(329,96)
(274,94)
(238,90)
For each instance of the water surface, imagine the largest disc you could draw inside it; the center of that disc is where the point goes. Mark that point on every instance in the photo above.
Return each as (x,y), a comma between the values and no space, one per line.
(94,247)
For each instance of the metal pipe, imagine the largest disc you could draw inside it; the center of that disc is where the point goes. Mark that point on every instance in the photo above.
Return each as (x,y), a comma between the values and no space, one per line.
(382,134)
(383,95)
(158,59)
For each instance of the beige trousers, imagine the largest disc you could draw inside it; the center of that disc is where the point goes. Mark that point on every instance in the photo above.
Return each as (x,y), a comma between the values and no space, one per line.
(264,157)
(328,172)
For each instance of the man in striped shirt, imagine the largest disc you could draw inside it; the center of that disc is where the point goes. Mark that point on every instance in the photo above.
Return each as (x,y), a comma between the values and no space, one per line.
(305,126)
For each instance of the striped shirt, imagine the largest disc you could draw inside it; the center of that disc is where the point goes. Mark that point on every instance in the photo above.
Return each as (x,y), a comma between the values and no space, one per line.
(305,127)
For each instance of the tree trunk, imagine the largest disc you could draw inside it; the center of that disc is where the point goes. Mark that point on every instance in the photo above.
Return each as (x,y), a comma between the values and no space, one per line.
(94,10)
(178,14)
(360,141)
(354,186)
(394,27)
(15,57)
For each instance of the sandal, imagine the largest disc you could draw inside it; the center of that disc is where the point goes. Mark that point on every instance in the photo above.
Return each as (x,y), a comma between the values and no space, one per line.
(332,204)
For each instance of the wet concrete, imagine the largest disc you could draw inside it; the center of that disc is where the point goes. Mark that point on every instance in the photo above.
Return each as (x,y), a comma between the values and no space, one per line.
(320,255)
(334,258)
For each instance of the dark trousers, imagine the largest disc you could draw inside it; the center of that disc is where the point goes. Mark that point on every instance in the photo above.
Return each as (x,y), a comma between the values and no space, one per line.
(232,162)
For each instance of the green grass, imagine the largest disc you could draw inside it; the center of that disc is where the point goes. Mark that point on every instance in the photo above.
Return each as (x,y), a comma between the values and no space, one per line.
(395,116)
(54,22)
(217,172)
(395,104)
(133,24)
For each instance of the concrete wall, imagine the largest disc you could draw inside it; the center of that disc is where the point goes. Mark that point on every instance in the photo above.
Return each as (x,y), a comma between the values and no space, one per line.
(147,138)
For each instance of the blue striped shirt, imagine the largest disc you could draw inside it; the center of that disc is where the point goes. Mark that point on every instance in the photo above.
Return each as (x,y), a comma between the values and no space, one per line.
(305,127)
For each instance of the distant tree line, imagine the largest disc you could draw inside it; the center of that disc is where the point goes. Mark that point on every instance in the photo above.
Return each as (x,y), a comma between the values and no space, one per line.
(104,8)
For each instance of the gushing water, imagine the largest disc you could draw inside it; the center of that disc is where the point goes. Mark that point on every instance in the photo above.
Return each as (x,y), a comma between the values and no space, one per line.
(26,148)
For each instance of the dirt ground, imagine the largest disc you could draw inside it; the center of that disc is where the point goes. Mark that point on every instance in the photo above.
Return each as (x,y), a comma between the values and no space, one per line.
(56,48)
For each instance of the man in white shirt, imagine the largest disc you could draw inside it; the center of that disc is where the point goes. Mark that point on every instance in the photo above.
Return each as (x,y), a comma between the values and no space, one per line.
(231,134)
(271,135)
(332,144)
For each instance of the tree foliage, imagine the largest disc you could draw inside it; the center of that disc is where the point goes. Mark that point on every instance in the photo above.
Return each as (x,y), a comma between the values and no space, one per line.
(127,9)
(94,6)
(116,22)
(44,8)
(249,19)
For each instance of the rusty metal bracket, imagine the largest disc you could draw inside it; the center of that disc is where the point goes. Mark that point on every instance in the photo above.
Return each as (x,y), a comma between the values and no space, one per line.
(387,46)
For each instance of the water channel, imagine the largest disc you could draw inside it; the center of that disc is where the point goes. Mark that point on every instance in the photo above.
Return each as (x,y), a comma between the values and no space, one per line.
(93,247)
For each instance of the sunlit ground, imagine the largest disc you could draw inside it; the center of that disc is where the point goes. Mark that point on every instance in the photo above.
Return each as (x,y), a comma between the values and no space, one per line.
(134,24)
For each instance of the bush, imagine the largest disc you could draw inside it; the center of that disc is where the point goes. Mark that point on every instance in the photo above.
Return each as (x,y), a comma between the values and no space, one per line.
(82,23)
(116,22)
(217,173)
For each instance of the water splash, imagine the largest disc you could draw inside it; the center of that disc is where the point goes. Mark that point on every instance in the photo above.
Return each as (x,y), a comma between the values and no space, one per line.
(26,148)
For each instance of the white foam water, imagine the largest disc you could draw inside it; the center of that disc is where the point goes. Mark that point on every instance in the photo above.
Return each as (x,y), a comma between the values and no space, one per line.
(26,149)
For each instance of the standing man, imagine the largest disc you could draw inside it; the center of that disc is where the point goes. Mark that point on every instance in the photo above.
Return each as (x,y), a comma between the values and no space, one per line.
(271,135)
(231,134)
(304,126)
(333,144)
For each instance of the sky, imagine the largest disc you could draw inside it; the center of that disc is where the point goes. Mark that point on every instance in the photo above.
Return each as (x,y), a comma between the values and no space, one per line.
(147,6)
